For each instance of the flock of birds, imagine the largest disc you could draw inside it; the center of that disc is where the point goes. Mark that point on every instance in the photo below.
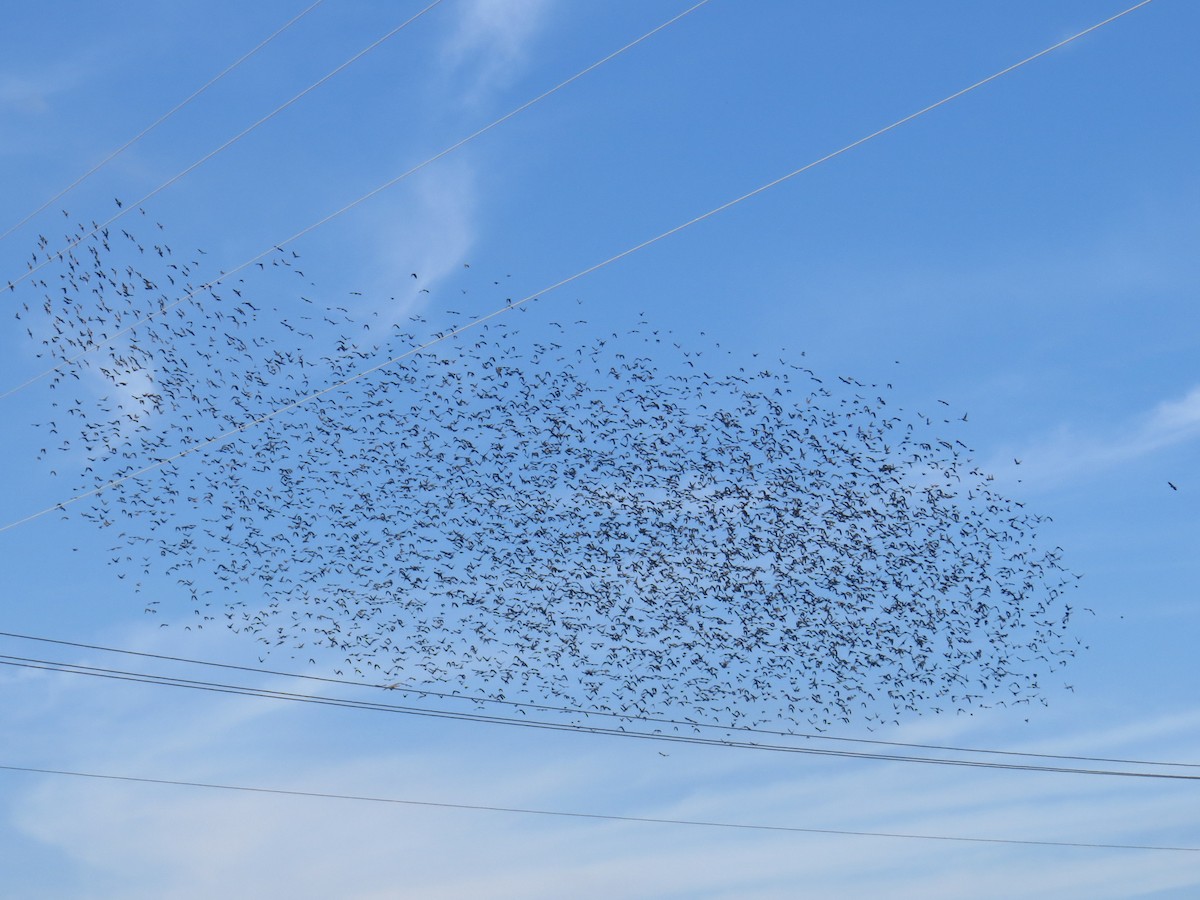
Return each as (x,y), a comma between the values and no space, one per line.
(614,523)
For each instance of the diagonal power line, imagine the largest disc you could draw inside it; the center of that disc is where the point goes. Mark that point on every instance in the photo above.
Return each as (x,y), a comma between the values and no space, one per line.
(129,207)
(413,351)
(352,204)
(174,109)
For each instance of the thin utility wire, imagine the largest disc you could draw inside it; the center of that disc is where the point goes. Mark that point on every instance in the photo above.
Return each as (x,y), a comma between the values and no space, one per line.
(517,304)
(624,717)
(129,207)
(575,727)
(477,807)
(149,128)
(351,205)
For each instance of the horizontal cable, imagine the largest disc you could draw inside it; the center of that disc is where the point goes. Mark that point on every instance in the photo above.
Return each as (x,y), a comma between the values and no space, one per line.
(619,731)
(477,807)
(624,717)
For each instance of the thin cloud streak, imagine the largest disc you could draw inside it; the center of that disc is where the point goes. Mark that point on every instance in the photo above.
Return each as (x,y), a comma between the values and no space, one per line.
(489,45)
(1070,455)
(430,234)
(188,843)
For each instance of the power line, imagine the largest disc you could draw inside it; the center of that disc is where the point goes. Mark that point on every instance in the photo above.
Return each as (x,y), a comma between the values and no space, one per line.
(351,205)
(516,304)
(129,207)
(265,693)
(174,109)
(582,815)
(624,717)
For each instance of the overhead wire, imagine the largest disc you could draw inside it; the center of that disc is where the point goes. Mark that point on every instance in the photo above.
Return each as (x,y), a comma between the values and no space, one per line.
(575,727)
(517,304)
(362,798)
(129,207)
(422,693)
(278,245)
(174,109)
(310,698)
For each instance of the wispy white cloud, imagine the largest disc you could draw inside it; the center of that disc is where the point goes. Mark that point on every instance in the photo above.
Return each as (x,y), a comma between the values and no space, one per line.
(30,97)
(24,95)
(433,225)
(1071,452)
(33,93)
(134,841)
(490,42)
(181,842)
(1173,420)
(429,233)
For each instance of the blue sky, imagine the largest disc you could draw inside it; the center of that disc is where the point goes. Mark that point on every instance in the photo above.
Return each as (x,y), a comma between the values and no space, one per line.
(1024,254)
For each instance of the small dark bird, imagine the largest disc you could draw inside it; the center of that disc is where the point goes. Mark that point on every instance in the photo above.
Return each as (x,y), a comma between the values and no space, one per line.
(1171,485)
